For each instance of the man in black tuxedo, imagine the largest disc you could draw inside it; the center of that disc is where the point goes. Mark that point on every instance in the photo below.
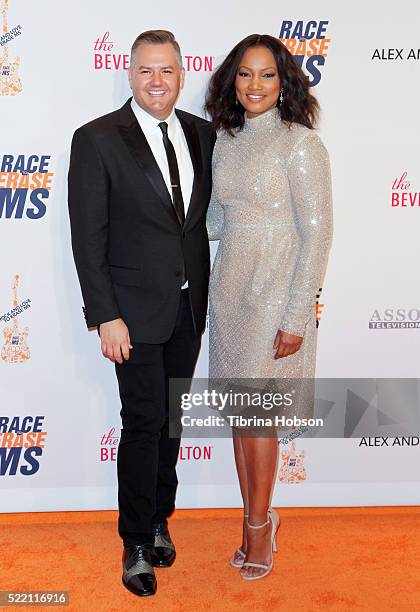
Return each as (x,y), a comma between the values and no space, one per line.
(139,187)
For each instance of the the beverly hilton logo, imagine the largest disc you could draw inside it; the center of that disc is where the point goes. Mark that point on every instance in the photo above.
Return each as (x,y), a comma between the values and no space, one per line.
(292,469)
(402,193)
(108,449)
(10,83)
(106,57)
(15,348)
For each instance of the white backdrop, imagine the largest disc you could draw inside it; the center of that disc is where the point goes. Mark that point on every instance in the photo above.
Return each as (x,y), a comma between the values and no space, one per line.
(370,127)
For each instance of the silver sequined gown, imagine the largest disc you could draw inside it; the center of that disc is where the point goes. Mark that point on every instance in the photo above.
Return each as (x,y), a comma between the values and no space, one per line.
(271,210)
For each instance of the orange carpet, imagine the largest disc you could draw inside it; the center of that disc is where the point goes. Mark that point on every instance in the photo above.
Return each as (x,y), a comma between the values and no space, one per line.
(328,559)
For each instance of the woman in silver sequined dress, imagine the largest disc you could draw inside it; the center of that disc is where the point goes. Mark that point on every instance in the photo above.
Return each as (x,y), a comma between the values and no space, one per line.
(271,211)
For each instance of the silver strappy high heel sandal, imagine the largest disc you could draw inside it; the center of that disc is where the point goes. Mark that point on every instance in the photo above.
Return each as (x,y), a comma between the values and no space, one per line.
(274,520)
(238,557)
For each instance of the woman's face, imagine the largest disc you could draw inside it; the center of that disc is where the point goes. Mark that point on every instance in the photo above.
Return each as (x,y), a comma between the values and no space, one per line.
(257,81)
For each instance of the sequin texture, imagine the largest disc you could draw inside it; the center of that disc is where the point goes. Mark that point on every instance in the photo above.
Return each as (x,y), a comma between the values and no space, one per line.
(271,209)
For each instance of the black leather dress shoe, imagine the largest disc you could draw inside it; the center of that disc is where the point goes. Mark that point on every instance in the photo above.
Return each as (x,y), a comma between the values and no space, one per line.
(164,552)
(138,573)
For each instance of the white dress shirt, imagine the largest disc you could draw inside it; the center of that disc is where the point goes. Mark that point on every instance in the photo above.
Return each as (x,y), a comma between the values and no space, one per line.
(154,136)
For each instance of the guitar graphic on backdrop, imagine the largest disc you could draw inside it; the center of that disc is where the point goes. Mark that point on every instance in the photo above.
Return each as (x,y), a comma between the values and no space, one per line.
(10,83)
(15,349)
(292,469)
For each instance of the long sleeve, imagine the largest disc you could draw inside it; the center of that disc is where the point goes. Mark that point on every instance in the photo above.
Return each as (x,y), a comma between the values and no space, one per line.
(215,218)
(310,184)
(88,193)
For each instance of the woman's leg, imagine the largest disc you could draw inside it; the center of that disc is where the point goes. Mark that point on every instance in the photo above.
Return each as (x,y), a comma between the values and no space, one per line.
(243,481)
(261,456)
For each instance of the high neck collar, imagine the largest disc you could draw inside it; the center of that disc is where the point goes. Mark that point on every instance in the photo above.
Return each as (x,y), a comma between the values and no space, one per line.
(264,121)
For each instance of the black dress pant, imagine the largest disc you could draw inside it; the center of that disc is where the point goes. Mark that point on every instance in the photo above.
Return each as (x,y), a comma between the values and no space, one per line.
(147,456)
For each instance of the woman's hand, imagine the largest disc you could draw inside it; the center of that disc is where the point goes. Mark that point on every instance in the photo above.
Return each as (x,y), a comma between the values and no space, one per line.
(286,344)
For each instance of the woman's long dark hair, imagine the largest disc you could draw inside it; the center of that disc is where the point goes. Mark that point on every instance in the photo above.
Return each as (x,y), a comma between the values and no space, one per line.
(299,105)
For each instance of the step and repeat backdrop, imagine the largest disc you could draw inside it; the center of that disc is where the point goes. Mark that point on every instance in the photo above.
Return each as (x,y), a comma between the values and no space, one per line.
(63,64)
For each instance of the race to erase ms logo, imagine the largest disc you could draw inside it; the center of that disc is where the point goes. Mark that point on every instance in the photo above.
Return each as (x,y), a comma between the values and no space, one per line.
(308,42)
(25,185)
(15,347)
(107,57)
(402,193)
(22,443)
(10,82)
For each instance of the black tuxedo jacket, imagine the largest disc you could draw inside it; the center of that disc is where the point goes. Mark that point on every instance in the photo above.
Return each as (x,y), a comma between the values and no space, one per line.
(128,245)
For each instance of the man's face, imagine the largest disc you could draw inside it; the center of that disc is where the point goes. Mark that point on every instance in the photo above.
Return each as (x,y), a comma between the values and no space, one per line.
(156,78)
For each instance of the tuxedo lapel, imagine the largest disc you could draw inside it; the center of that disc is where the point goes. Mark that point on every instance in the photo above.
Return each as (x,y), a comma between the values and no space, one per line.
(192,138)
(137,144)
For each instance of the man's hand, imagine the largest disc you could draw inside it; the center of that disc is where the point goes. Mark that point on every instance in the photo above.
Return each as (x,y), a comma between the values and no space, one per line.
(115,340)
(286,344)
